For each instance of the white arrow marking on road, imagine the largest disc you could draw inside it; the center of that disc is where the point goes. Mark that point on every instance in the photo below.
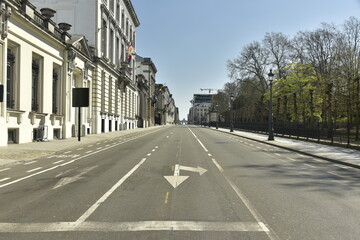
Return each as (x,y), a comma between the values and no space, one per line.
(200,170)
(176,180)
(64,181)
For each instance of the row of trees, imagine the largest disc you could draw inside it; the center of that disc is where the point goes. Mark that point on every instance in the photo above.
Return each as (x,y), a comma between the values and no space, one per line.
(317,77)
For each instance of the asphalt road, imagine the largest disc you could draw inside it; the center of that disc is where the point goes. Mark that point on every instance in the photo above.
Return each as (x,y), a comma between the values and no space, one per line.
(181,182)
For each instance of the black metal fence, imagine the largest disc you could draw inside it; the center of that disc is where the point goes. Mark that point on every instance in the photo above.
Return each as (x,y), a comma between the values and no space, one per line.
(334,134)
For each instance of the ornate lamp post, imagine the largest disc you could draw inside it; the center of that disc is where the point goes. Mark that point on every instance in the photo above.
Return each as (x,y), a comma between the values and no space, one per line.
(232,113)
(271,128)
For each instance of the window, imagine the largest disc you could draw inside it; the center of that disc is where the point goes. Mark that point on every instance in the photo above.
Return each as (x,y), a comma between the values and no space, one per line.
(122,20)
(122,52)
(111,44)
(117,51)
(35,86)
(103,38)
(118,12)
(55,93)
(127,28)
(10,81)
(111,5)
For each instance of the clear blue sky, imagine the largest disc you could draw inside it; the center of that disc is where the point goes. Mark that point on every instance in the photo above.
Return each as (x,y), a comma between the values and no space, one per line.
(190,41)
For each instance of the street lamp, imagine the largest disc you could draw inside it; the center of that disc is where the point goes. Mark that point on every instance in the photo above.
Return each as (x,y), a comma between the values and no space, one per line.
(271,128)
(217,116)
(232,114)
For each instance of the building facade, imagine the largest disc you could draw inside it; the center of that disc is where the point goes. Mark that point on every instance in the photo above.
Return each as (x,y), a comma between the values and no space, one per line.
(110,27)
(146,74)
(40,64)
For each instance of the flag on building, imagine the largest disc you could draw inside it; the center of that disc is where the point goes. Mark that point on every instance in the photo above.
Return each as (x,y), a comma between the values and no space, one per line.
(131,53)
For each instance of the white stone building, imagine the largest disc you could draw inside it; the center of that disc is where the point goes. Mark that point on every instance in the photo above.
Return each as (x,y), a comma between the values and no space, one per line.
(39,66)
(110,27)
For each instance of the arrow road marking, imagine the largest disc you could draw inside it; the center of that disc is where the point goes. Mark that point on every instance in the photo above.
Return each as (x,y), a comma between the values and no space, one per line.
(176,180)
(64,181)
(200,170)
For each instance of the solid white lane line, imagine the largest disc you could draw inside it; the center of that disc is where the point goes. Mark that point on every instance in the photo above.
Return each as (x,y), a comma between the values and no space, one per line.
(58,161)
(5,169)
(202,145)
(28,163)
(271,234)
(33,170)
(4,179)
(108,193)
(133,226)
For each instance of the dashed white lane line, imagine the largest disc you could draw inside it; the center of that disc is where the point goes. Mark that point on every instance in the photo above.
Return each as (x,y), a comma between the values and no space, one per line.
(33,170)
(153,150)
(99,148)
(291,159)
(278,154)
(4,179)
(28,163)
(149,154)
(89,151)
(67,152)
(58,161)
(5,169)
(335,174)
(209,154)
(309,165)
(79,149)
(90,145)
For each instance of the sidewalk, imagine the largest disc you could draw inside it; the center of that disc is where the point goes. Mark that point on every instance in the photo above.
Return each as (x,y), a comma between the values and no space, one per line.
(339,155)
(17,153)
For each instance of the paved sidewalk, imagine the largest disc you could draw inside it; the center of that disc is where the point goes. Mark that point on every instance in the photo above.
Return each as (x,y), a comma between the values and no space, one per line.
(17,153)
(339,155)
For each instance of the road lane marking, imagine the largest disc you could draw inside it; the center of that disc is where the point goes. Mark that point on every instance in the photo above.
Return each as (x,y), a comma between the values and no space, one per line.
(4,179)
(309,165)
(58,161)
(166,197)
(28,163)
(57,166)
(192,226)
(67,152)
(67,180)
(108,193)
(335,174)
(33,170)
(5,169)
(291,159)
(270,233)
(79,149)
(198,140)
(89,151)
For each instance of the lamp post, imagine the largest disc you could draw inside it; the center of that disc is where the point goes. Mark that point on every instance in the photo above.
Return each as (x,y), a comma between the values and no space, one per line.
(232,114)
(271,128)
(217,116)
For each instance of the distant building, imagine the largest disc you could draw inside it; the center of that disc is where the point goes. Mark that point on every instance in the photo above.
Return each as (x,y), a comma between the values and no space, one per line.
(199,111)
(145,76)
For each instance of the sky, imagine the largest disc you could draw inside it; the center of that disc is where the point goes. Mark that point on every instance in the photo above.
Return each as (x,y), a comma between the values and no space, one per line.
(190,41)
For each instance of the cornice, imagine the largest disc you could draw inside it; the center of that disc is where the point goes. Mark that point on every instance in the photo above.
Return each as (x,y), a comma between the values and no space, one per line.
(132,12)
